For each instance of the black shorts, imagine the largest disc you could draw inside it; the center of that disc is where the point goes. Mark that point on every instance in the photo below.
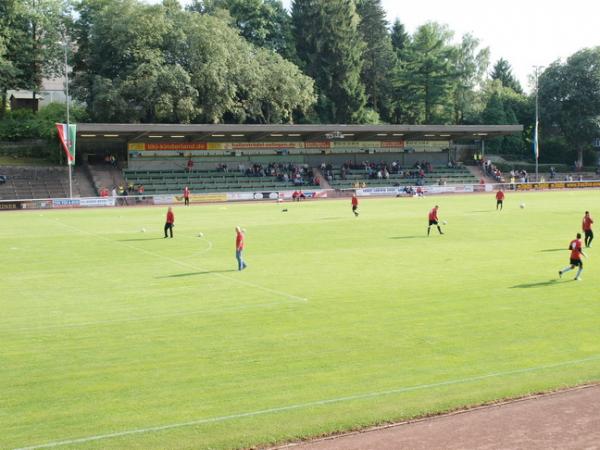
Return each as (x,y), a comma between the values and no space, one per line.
(433,222)
(589,233)
(499,202)
(354,207)
(576,262)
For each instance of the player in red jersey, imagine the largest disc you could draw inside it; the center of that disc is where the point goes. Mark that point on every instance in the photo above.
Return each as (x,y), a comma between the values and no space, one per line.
(239,248)
(575,260)
(499,199)
(586,226)
(355,205)
(170,223)
(433,219)
(186,196)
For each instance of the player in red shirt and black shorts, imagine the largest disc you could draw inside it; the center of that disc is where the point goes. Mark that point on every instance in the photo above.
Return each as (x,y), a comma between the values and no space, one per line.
(499,199)
(575,260)
(433,220)
(170,222)
(586,226)
(355,205)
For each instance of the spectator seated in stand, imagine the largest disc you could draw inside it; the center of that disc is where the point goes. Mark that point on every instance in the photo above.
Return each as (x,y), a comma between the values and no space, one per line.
(3,179)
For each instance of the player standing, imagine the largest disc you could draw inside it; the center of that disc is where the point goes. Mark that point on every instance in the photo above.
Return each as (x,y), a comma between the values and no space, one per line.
(170,223)
(433,219)
(586,226)
(575,260)
(239,248)
(355,205)
(186,196)
(499,199)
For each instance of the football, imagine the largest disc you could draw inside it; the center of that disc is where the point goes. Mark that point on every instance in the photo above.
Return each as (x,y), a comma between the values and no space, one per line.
(200,235)
(143,230)
(522,205)
(444,222)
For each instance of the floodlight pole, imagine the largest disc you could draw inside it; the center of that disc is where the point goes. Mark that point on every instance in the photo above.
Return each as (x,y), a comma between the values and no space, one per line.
(537,118)
(69,163)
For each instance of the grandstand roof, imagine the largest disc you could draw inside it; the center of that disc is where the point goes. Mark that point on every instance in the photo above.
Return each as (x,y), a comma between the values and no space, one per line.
(203,132)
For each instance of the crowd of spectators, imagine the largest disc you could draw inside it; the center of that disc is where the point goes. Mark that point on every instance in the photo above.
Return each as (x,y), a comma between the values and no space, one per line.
(381,170)
(493,171)
(297,174)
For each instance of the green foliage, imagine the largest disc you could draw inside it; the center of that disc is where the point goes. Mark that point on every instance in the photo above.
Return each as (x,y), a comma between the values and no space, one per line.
(160,63)
(502,71)
(569,95)
(400,38)
(24,124)
(379,57)
(330,46)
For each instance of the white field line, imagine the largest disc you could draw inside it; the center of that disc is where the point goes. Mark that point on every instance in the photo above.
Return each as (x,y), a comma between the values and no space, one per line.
(144,318)
(191,266)
(313,404)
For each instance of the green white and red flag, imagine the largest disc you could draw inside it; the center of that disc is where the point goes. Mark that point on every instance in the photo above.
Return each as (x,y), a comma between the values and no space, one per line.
(67,135)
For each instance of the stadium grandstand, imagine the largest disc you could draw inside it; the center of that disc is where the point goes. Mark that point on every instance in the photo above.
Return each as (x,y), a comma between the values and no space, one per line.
(230,158)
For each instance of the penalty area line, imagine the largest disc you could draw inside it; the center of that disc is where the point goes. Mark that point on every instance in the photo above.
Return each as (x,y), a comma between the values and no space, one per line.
(190,266)
(313,404)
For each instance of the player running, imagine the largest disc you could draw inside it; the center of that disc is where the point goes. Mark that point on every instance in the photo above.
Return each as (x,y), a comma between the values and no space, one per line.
(433,219)
(499,199)
(355,205)
(586,226)
(575,261)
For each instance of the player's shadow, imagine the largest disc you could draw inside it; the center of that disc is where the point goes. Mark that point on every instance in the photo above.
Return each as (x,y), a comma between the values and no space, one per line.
(139,239)
(534,285)
(553,250)
(409,237)
(193,274)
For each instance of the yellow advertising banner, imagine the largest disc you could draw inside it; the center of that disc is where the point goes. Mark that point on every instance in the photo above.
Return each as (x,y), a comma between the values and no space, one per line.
(427,146)
(203,198)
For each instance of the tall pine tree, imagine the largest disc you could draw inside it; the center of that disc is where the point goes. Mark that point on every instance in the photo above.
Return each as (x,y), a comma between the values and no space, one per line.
(330,48)
(379,58)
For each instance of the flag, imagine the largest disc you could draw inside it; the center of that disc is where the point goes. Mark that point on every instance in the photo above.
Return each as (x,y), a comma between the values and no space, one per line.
(67,136)
(536,148)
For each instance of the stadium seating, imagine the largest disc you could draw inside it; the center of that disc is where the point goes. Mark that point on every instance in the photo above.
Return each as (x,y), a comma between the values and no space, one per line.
(199,181)
(42,182)
(437,175)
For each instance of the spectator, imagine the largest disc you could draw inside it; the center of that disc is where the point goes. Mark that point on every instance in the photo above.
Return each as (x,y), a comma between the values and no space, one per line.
(190,165)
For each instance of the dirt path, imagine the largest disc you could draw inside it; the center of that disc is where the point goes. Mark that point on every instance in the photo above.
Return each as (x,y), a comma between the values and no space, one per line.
(563,420)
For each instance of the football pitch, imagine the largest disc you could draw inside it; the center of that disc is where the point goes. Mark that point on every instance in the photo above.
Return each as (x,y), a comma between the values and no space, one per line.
(115,338)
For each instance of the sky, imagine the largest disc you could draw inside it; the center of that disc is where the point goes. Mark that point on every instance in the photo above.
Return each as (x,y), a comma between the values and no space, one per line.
(527,33)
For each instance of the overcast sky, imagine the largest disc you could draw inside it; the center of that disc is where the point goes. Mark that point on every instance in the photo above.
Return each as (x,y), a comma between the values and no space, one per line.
(525,32)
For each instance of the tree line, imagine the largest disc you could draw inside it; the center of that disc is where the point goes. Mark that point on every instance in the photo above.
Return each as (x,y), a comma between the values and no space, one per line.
(252,61)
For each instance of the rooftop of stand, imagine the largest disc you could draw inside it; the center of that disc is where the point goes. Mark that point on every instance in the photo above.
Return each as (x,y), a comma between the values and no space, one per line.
(123,133)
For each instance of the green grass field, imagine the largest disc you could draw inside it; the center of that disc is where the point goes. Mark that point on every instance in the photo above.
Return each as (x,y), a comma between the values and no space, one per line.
(112,338)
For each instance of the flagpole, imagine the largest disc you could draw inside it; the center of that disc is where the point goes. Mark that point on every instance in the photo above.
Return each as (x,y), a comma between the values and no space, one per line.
(69,163)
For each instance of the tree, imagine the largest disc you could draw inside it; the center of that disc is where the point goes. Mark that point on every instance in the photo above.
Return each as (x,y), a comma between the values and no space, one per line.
(569,96)
(38,29)
(400,38)
(502,71)
(330,48)
(264,23)
(424,79)
(378,58)
(469,67)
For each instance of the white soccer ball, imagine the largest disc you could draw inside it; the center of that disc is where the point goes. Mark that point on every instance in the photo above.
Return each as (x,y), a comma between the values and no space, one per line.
(444,222)
(143,230)
(522,205)
(200,235)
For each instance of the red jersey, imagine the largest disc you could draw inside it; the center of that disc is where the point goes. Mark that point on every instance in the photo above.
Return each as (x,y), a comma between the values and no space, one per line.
(354,201)
(186,192)
(575,247)
(586,225)
(170,217)
(239,241)
(433,214)
(499,195)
